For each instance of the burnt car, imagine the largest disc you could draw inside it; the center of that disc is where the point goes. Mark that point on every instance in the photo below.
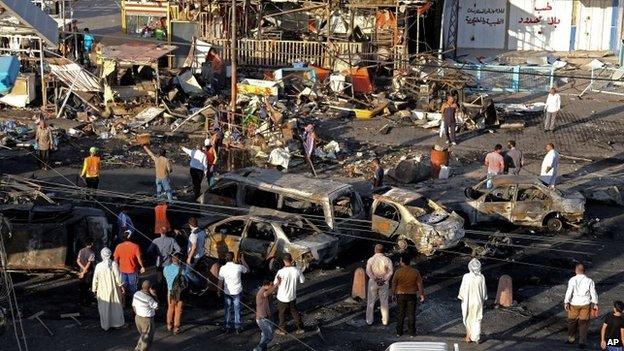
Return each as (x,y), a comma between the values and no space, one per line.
(522,200)
(263,236)
(48,237)
(409,218)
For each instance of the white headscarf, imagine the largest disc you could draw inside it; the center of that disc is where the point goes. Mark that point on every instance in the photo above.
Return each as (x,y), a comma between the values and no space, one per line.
(474,266)
(106,256)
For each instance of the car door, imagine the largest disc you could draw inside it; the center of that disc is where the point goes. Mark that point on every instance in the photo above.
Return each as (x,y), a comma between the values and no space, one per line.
(257,242)
(225,236)
(223,193)
(496,204)
(530,206)
(386,218)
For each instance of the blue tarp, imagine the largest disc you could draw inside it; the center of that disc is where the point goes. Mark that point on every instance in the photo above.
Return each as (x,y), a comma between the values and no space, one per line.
(9,69)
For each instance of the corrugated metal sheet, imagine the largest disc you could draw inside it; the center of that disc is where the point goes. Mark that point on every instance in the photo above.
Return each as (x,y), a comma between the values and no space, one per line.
(418,346)
(73,75)
(540,24)
(30,14)
(482,24)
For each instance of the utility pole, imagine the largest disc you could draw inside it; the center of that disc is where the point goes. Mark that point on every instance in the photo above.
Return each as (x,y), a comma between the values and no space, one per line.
(233,67)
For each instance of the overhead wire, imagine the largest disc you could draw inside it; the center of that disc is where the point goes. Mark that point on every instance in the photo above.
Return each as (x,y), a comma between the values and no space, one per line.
(187,266)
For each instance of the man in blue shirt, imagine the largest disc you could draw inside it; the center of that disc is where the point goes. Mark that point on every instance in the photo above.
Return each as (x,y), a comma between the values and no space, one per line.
(175,303)
(87,44)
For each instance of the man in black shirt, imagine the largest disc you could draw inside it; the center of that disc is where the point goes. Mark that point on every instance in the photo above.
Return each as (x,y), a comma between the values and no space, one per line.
(612,332)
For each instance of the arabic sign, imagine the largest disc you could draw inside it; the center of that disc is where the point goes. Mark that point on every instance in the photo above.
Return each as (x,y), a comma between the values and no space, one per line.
(540,24)
(482,23)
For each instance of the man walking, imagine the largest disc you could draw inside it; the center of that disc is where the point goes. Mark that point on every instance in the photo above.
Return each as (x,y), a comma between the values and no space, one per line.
(91,169)
(124,223)
(198,167)
(448,110)
(175,289)
(232,286)
(264,312)
(612,331)
(162,247)
(128,257)
(553,105)
(86,262)
(473,294)
(44,139)
(407,286)
(580,299)
(162,167)
(288,278)
(379,271)
(494,163)
(144,304)
(550,166)
(514,160)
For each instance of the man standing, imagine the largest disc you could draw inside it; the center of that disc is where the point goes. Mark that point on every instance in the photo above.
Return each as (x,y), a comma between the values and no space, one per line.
(197,239)
(550,166)
(91,169)
(163,170)
(174,294)
(378,176)
(379,270)
(163,247)
(161,220)
(473,294)
(288,278)
(448,110)
(407,286)
(232,286)
(264,312)
(580,299)
(128,257)
(86,262)
(612,331)
(144,304)
(124,222)
(514,160)
(87,45)
(494,163)
(44,139)
(553,105)
(198,167)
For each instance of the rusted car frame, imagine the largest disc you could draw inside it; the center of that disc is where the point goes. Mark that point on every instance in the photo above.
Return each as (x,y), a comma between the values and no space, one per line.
(263,236)
(522,201)
(408,218)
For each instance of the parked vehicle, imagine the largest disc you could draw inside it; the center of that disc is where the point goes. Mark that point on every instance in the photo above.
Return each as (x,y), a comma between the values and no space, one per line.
(263,236)
(410,219)
(48,237)
(332,202)
(523,201)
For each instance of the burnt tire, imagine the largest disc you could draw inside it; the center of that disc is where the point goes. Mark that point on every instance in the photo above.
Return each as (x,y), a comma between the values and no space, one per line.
(403,246)
(554,225)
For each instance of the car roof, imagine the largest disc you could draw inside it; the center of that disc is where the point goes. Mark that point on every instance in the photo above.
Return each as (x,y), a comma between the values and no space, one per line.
(400,195)
(507,179)
(265,214)
(286,182)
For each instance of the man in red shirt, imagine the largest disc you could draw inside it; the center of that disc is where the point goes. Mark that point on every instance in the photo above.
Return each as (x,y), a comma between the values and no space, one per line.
(128,257)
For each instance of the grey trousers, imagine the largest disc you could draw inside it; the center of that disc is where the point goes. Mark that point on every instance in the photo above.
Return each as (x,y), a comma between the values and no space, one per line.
(549,122)
(146,329)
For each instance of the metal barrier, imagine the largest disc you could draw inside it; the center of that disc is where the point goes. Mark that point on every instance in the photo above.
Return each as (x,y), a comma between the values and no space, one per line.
(509,78)
(606,80)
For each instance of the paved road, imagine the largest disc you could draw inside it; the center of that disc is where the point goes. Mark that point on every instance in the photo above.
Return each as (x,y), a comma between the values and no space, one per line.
(100,16)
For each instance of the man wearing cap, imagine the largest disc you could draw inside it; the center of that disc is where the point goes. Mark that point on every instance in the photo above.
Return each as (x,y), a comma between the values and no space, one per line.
(91,169)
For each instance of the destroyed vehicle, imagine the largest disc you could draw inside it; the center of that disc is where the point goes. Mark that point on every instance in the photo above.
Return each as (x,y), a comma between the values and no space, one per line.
(48,237)
(263,236)
(523,201)
(333,203)
(412,220)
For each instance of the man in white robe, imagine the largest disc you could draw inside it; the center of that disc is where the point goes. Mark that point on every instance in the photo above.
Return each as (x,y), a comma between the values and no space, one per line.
(473,294)
(108,289)
(550,166)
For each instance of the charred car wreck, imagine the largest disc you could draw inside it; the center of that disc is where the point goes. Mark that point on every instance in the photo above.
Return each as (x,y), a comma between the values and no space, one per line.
(523,201)
(410,219)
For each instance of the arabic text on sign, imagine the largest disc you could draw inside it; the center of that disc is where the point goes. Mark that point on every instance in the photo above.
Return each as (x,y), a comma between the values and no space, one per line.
(490,22)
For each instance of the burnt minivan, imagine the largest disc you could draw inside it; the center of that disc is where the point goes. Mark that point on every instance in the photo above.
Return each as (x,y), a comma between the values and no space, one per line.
(325,201)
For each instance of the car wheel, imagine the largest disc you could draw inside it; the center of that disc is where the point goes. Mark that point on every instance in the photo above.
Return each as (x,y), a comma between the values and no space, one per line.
(403,245)
(554,225)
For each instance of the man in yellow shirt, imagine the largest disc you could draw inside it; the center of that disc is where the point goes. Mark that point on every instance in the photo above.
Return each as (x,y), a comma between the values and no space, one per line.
(91,169)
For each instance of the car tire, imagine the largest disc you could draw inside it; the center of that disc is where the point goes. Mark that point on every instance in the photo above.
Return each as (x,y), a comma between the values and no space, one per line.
(554,225)
(403,245)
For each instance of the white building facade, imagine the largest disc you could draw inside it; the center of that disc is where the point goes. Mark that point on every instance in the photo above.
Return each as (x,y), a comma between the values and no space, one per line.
(552,25)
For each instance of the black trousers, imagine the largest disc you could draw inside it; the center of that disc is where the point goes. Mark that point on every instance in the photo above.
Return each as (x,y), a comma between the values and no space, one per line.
(291,306)
(197,175)
(92,182)
(406,305)
(44,158)
(449,129)
(84,285)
